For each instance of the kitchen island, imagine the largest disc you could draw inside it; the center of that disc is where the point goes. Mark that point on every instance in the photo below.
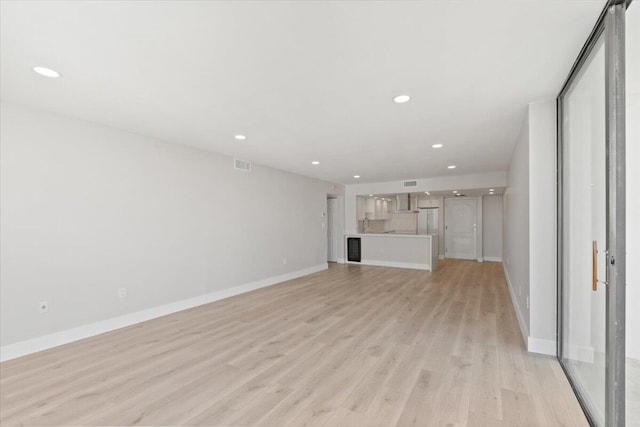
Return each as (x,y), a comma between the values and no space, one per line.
(417,251)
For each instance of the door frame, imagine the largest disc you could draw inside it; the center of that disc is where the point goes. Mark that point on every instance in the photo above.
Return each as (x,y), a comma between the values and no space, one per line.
(478,238)
(611,25)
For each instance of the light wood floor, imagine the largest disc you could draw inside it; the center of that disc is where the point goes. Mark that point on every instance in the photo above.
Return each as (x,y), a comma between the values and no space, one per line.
(352,346)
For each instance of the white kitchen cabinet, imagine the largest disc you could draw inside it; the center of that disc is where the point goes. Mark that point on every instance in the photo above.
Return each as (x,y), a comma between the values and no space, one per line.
(378,209)
(387,210)
(413,203)
(370,207)
(382,209)
(392,207)
(428,203)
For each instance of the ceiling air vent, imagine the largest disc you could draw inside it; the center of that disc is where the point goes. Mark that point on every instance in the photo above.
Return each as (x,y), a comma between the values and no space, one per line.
(410,183)
(243,165)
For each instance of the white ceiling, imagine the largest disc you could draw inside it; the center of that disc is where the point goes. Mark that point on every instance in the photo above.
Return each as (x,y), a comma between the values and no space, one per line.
(303,80)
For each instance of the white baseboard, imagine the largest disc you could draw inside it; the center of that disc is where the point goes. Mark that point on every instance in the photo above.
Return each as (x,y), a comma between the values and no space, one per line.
(340,260)
(493,259)
(440,256)
(542,346)
(395,264)
(22,348)
(523,325)
(534,345)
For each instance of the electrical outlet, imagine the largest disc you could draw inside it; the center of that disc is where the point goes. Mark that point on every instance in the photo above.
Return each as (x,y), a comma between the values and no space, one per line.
(43,306)
(284,260)
(122,292)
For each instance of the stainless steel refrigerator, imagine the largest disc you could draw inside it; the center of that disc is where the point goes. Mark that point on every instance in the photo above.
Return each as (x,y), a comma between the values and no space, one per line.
(428,221)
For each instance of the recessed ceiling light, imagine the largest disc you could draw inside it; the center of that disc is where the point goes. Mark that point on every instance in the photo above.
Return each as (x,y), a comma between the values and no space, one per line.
(426,192)
(315,162)
(370,195)
(356,176)
(47,72)
(491,189)
(401,99)
(451,166)
(240,137)
(455,191)
(437,146)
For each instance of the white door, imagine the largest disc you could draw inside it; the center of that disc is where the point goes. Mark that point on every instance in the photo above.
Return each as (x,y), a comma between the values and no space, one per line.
(460,227)
(332,241)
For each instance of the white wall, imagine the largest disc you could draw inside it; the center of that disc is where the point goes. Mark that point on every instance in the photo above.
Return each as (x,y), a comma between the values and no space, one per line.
(542,221)
(87,209)
(492,227)
(515,244)
(441,227)
(529,238)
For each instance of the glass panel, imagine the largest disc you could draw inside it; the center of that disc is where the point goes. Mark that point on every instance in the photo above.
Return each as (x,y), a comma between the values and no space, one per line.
(583,226)
(632,57)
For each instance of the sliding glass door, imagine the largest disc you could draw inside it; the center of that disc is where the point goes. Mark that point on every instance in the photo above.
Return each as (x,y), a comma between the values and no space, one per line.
(591,222)
(584,232)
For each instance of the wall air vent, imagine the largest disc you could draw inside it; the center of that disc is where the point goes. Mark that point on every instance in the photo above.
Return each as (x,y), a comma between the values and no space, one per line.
(243,165)
(413,183)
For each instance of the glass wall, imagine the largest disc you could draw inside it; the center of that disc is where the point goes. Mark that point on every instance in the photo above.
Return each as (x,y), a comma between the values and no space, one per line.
(599,256)
(584,231)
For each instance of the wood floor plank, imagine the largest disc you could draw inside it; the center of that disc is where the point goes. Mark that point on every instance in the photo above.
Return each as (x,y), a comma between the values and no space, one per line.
(350,346)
